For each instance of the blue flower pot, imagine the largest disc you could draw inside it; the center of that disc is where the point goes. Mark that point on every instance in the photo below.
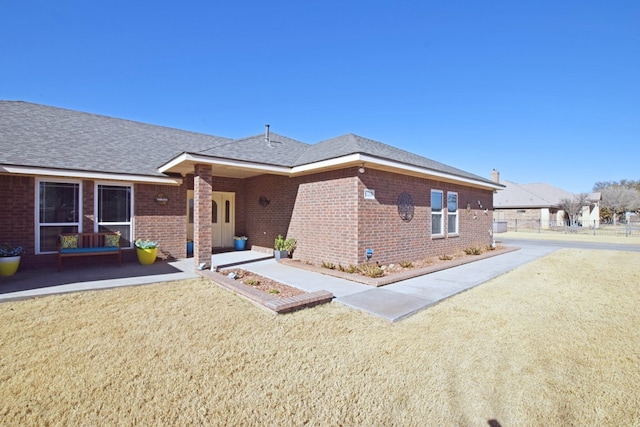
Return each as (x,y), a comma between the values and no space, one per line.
(240,244)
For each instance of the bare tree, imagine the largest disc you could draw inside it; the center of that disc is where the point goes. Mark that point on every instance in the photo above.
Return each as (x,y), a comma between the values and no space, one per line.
(572,207)
(620,199)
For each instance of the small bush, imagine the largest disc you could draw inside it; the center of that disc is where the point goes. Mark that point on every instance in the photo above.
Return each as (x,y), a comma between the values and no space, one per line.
(252,282)
(329,265)
(406,264)
(371,270)
(445,257)
(274,291)
(474,250)
(351,269)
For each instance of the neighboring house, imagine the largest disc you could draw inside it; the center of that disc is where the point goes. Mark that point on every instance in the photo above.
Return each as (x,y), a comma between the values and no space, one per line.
(533,205)
(66,171)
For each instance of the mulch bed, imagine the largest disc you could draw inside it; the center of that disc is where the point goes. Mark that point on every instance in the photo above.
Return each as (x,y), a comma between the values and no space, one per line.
(262,283)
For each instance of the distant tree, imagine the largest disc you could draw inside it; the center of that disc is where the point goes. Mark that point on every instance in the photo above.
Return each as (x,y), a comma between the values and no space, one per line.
(618,199)
(629,183)
(572,206)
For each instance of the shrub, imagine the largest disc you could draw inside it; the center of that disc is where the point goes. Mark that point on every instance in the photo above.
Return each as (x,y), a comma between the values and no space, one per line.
(406,264)
(371,270)
(274,291)
(252,282)
(445,257)
(329,265)
(350,269)
(474,250)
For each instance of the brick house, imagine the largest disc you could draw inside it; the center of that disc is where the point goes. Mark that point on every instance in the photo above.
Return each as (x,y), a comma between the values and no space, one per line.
(66,171)
(539,205)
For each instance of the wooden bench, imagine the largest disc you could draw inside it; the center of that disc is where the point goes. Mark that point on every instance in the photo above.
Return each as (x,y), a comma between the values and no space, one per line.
(88,244)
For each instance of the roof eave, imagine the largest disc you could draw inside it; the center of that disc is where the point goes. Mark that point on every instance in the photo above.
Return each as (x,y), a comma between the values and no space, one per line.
(92,175)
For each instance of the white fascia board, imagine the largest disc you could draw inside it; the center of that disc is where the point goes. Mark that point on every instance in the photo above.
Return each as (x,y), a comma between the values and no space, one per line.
(368,160)
(437,174)
(318,166)
(27,170)
(208,160)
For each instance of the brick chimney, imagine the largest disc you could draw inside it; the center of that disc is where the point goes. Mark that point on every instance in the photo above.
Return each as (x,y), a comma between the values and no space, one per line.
(495,176)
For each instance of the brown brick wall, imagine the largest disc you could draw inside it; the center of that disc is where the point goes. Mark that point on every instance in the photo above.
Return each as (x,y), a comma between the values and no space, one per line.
(393,240)
(17,215)
(164,223)
(332,222)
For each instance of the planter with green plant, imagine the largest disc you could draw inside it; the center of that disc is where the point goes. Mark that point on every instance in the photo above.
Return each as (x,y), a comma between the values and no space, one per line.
(147,251)
(9,259)
(282,247)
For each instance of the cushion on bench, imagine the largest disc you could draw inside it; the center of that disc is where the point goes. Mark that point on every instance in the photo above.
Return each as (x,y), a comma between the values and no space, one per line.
(88,250)
(69,241)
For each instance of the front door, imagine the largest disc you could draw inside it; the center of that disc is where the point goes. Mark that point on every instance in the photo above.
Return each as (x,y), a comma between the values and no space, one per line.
(222,219)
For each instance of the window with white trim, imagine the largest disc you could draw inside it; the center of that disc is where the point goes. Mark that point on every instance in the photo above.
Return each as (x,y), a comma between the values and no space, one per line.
(114,207)
(452,212)
(436,213)
(59,211)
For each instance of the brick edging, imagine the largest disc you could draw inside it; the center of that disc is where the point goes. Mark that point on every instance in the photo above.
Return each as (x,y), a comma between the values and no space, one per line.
(275,304)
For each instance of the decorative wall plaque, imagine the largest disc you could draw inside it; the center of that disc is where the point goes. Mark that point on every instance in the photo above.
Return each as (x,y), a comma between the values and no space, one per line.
(405,207)
(162,198)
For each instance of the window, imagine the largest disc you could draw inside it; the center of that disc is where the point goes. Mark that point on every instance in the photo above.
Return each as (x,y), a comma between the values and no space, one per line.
(58,212)
(113,210)
(436,212)
(452,213)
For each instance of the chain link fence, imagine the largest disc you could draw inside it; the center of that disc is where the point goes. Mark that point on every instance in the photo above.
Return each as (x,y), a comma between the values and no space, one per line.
(621,228)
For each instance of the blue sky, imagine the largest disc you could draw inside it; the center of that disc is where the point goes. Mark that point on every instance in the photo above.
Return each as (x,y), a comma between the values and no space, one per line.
(543,91)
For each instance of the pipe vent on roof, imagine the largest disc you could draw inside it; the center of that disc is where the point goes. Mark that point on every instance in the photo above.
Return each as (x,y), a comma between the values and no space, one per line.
(267,136)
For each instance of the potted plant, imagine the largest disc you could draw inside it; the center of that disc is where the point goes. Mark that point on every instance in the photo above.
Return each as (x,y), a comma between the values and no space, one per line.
(9,259)
(240,243)
(282,248)
(147,250)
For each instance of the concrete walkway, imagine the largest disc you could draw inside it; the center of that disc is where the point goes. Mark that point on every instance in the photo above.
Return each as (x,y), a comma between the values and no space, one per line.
(402,299)
(393,302)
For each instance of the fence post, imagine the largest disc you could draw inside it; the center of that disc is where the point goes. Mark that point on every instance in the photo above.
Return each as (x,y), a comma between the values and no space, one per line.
(594,227)
(516,224)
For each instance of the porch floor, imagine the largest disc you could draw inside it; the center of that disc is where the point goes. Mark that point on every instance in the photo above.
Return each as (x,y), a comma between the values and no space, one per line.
(231,258)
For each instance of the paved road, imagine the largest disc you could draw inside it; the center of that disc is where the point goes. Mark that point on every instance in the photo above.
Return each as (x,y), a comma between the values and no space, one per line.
(568,244)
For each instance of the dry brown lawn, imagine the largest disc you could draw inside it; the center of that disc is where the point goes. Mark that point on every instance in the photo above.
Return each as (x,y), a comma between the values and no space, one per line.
(556,342)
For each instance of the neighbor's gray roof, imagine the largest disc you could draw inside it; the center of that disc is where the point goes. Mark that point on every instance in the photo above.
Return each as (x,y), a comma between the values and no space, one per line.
(51,137)
(539,195)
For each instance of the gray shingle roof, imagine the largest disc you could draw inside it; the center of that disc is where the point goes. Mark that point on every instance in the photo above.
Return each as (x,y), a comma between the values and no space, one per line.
(51,137)
(539,195)
(282,151)
(352,144)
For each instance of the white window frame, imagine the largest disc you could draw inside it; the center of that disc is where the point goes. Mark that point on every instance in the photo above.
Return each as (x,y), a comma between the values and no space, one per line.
(97,224)
(439,213)
(38,224)
(454,214)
